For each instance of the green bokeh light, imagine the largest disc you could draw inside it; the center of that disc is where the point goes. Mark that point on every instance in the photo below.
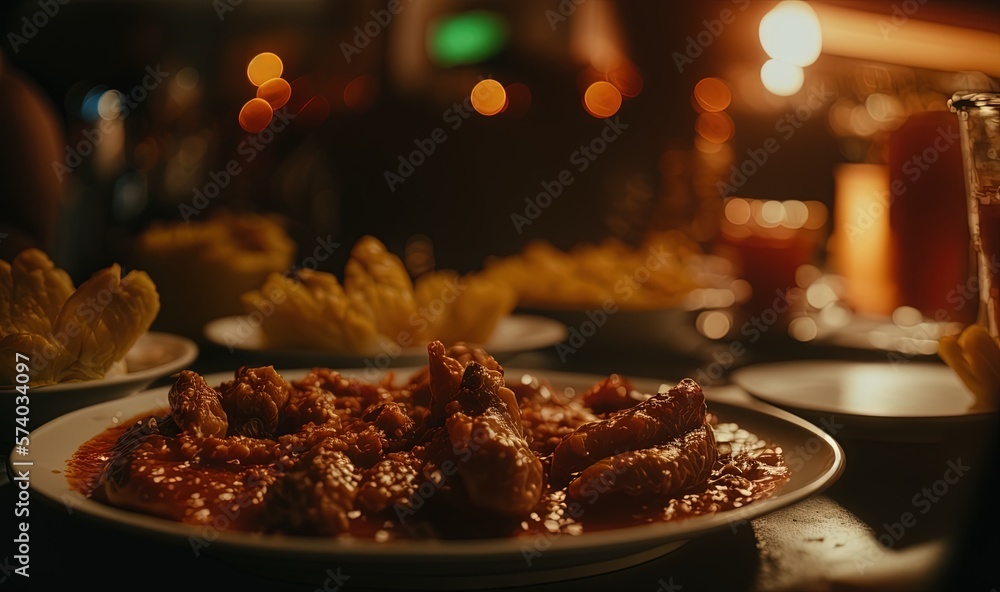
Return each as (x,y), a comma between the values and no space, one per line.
(466,38)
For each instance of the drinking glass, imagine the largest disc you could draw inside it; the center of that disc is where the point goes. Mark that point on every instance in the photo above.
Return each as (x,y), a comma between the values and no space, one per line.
(979,131)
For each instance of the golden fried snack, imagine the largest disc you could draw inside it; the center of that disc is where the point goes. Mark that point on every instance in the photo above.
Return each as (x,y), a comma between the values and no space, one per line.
(33,290)
(660,273)
(312,311)
(202,268)
(377,302)
(377,278)
(462,308)
(975,357)
(94,328)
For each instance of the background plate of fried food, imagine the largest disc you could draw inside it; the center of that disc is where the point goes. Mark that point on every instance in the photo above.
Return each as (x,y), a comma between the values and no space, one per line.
(643,296)
(443,563)
(376,313)
(66,347)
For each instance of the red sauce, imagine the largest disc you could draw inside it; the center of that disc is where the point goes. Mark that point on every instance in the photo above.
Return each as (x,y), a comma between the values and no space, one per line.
(747,470)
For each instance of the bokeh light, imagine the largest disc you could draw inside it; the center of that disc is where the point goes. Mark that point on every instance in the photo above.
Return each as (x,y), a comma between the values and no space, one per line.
(264,67)
(602,99)
(714,127)
(488,97)
(712,94)
(360,93)
(627,79)
(518,99)
(737,210)
(791,32)
(313,113)
(781,78)
(275,91)
(255,115)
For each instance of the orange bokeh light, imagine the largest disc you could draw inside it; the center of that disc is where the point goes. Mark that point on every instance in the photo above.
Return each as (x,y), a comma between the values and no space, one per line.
(627,79)
(488,97)
(264,67)
(712,94)
(714,127)
(275,91)
(255,115)
(602,99)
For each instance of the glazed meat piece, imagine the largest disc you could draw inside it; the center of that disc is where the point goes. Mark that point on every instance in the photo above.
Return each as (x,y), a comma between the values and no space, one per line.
(497,468)
(445,372)
(661,471)
(393,480)
(612,394)
(196,407)
(654,421)
(192,479)
(311,404)
(546,423)
(253,401)
(316,494)
(361,394)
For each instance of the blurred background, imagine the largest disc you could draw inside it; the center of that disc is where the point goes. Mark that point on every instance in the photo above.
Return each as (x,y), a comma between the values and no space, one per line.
(777,135)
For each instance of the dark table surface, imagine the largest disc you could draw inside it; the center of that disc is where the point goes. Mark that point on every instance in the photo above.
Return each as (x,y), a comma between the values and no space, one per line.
(828,542)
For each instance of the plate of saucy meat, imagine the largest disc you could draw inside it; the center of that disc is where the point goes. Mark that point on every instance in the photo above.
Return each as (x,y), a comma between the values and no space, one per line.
(460,473)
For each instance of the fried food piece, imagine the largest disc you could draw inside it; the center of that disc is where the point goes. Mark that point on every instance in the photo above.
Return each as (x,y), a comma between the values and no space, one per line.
(312,311)
(32,292)
(975,356)
(589,275)
(224,255)
(612,394)
(316,495)
(94,329)
(496,465)
(662,471)
(196,408)
(393,480)
(254,400)
(453,308)
(377,278)
(654,421)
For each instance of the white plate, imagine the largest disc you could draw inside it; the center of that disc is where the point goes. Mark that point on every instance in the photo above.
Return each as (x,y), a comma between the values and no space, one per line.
(513,334)
(905,401)
(153,356)
(443,563)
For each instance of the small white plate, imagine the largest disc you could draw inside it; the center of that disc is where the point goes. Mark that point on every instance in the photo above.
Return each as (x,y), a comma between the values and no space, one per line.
(153,356)
(902,401)
(513,334)
(436,563)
